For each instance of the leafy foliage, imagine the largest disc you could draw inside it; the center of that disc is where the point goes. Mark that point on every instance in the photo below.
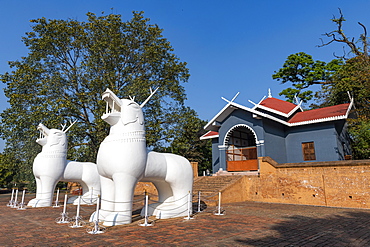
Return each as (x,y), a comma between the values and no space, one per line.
(187,143)
(70,64)
(338,78)
(360,132)
(7,170)
(302,71)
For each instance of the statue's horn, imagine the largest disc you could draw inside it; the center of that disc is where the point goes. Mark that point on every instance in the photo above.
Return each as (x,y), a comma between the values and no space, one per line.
(63,126)
(151,94)
(65,131)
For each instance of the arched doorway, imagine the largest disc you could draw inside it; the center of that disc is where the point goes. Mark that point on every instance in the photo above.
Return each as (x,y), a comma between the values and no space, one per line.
(241,152)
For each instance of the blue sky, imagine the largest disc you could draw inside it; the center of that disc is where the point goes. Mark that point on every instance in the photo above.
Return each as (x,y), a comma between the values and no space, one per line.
(230,46)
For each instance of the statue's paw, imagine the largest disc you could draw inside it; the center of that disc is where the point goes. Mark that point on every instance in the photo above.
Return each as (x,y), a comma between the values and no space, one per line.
(73,200)
(151,208)
(102,215)
(166,210)
(114,219)
(39,203)
(93,217)
(32,202)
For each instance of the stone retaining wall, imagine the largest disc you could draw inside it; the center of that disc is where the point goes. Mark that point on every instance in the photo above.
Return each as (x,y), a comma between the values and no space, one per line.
(334,184)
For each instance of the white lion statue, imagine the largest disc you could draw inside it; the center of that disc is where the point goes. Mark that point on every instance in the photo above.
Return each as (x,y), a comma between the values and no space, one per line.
(51,166)
(123,160)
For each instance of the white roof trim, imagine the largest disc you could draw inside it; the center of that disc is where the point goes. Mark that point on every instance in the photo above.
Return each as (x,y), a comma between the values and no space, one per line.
(278,112)
(349,107)
(258,113)
(320,120)
(203,137)
(217,115)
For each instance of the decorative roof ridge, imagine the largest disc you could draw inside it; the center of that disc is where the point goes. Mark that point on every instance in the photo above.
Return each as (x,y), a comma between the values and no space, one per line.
(295,109)
(351,104)
(286,123)
(319,120)
(259,113)
(287,115)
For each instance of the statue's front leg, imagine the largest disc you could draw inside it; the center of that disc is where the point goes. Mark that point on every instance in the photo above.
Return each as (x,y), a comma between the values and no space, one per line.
(107,199)
(33,201)
(124,186)
(45,196)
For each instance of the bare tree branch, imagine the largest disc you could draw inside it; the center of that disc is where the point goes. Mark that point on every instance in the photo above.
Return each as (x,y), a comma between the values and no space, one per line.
(350,42)
(364,38)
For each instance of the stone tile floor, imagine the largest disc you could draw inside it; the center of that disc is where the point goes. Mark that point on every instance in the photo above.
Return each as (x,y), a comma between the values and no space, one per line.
(244,224)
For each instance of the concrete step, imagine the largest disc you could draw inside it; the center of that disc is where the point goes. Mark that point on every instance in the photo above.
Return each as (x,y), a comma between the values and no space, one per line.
(213,184)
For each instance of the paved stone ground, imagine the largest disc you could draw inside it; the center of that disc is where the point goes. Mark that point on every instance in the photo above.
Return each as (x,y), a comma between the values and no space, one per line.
(244,224)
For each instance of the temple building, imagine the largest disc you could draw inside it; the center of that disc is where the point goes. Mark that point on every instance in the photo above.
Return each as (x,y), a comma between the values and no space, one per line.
(278,129)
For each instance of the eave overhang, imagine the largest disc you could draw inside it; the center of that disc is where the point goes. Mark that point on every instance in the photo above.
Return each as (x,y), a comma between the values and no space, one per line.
(209,135)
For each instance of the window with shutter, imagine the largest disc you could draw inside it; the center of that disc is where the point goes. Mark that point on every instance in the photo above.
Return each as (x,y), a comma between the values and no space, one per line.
(308,150)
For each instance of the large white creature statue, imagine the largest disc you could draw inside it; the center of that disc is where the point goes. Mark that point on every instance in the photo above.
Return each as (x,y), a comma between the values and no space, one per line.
(123,160)
(51,166)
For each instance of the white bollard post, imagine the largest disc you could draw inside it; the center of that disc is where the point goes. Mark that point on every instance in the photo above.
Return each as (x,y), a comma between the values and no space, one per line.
(56,200)
(91,196)
(199,202)
(219,205)
(64,218)
(21,205)
(78,208)
(189,208)
(78,221)
(97,213)
(96,229)
(146,211)
(11,199)
(65,203)
(15,203)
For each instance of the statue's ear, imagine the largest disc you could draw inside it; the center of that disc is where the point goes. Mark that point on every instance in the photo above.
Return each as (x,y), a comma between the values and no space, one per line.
(56,139)
(129,118)
(141,118)
(131,114)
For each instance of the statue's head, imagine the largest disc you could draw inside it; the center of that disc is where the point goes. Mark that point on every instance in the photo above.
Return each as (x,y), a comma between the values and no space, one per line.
(125,110)
(52,138)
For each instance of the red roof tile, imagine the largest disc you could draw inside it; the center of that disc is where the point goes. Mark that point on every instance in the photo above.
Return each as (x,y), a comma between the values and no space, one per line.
(326,112)
(278,105)
(209,134)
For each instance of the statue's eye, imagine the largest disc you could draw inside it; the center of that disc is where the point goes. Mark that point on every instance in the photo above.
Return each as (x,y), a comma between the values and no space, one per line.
(133,104)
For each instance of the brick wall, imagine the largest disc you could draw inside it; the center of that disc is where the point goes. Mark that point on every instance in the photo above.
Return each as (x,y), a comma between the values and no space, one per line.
(335,184)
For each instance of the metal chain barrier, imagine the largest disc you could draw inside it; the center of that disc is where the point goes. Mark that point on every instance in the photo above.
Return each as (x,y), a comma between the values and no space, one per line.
(64,216)
(198,201)
(202,201)
(77,220)
(95,228)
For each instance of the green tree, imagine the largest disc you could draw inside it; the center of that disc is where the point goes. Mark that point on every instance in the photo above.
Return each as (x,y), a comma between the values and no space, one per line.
(71,63)
(302,72)
(360,133)
(187,141)
(349,73)
(7,170)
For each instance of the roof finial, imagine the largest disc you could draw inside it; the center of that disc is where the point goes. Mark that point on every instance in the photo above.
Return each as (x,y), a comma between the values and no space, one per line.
(270,96)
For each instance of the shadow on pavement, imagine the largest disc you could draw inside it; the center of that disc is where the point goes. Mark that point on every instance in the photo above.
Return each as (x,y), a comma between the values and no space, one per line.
(349,229)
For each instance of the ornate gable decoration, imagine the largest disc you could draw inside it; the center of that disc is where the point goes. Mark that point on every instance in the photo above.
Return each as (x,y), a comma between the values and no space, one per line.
(280,111)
